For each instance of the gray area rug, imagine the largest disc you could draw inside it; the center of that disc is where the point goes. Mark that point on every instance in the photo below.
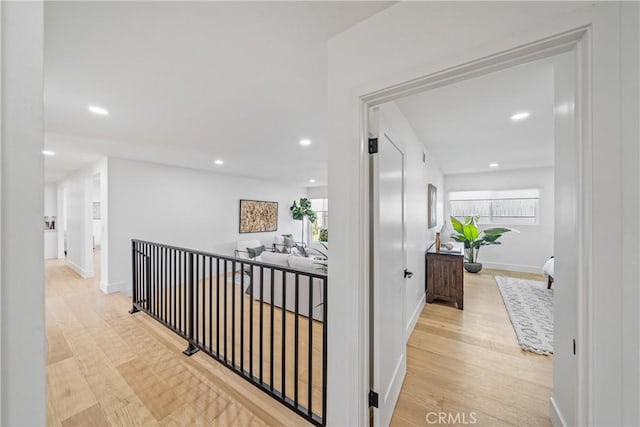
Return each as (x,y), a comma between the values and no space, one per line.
(530,307)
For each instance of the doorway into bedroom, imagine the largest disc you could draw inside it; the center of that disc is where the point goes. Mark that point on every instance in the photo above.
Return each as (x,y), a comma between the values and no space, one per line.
(489,195)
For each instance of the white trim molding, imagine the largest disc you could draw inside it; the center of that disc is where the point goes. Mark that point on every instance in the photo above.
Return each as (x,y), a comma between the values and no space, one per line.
(513,267)
(556,416)
(109,288)
(85,274)
(413,320)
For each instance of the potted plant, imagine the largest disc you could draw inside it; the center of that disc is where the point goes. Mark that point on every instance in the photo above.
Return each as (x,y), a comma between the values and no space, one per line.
(468,233)
(301,210)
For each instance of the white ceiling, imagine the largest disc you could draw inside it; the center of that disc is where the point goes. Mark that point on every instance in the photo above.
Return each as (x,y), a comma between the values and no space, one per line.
(466,125)
(188,82)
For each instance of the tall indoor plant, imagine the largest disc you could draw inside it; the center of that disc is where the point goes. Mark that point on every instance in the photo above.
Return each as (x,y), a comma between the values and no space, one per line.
(301,210)
(473,238)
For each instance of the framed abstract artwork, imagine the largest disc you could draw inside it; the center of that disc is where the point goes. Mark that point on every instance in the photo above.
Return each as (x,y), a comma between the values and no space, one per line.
(432,208)
(258,216)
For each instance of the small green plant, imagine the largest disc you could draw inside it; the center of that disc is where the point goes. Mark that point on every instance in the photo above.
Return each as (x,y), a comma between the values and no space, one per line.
(301,210)
(468,233)
(324,235)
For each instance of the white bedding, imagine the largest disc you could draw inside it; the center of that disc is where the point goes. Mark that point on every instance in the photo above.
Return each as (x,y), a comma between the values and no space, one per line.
(548,267)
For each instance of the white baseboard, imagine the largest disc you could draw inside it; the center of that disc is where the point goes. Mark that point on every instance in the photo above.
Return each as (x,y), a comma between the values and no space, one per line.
(109,288)
(556,416)
(85,274)
(513,267)
(415,315)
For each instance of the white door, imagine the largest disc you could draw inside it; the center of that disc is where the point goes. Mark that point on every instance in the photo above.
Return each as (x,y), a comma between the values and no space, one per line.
(566,233)
(389,362)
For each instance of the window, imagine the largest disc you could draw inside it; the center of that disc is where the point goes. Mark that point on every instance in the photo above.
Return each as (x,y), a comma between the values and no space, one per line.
(321,206)
(511,207)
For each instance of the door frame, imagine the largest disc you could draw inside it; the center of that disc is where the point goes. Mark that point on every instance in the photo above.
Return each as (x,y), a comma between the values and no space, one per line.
(577,40)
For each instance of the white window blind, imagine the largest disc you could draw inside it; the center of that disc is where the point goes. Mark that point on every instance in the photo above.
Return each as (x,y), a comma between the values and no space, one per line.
(497,207)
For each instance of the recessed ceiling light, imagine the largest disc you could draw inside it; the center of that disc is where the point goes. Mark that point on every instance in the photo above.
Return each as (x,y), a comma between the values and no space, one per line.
(312,180)
(98,110)
(305,142)
(520,116)
(493,165)
(48,153)
(218,162)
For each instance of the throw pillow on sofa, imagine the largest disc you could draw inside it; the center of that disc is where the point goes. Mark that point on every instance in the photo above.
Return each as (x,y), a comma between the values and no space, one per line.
(301,263)
(255,252)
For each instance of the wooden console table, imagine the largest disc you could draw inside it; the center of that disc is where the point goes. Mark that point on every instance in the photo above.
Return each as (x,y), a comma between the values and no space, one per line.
(444,279)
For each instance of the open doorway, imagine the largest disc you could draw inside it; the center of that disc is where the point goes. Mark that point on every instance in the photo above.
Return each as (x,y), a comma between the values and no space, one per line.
(81,213)
(466,357)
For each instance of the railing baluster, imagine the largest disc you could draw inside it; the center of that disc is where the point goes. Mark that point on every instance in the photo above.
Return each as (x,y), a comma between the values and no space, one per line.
(196,293)
(310,369)
(156,279)
(252,285)
(164,284)
(241,316)
(210,303)
(134,284)
(273,303)
(233,314)
(185,304)
(324,348)
(225,311)
(202,306)
(175,286)
(218,305)
(295,343)
(261,323)
(284,334)
(191,349)
(147,280)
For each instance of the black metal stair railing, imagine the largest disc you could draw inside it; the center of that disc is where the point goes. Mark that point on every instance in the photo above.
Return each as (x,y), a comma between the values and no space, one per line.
(267,323)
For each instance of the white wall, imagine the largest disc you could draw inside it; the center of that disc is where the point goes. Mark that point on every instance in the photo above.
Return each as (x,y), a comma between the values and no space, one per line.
(319,192)
(533,245)
(418,176)
(51,200)
(414,39)
(183,207)
(22,328)
(96,223)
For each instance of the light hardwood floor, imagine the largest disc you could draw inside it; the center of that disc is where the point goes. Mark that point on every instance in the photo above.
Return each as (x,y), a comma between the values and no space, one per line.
(107,367)
(470,362)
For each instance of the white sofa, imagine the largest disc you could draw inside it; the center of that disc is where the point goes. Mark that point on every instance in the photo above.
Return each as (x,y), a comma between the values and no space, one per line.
(304,265)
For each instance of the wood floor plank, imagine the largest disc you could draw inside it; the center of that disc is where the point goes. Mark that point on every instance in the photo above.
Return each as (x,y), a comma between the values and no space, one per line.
(133,414)
(91,416)
(70,393)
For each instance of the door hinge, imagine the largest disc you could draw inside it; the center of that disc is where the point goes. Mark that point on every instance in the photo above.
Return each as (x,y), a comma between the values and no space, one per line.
(373,145)
(574,346)
(373,399)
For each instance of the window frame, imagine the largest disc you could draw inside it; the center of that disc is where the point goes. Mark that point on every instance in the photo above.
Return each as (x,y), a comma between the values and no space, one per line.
(494,196)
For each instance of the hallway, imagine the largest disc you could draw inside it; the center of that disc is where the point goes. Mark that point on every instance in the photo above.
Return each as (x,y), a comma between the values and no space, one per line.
(107,367)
